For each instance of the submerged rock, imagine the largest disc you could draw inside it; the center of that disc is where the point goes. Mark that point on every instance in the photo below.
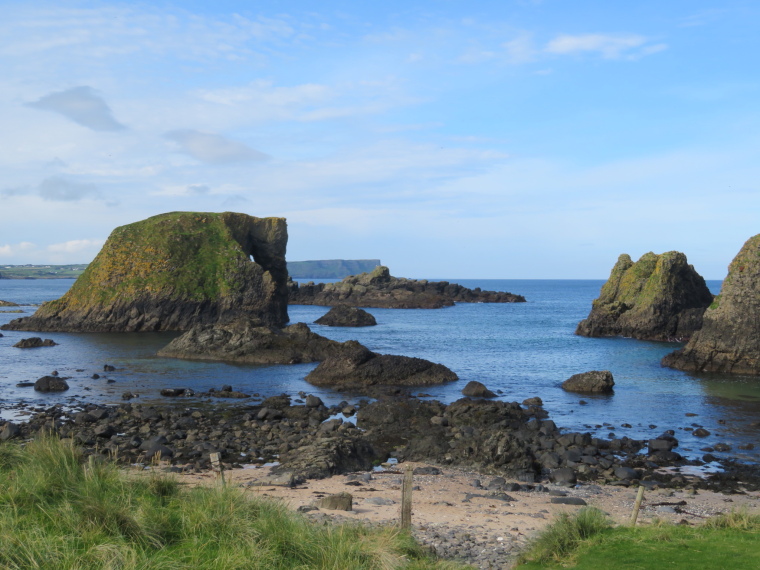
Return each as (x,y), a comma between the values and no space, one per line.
(355,366)
(380,289)
(173,271)
(600,381)
(729,340)
(345,316)
(660,297)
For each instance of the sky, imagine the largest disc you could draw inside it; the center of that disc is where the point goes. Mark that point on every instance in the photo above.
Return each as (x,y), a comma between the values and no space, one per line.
(489,139)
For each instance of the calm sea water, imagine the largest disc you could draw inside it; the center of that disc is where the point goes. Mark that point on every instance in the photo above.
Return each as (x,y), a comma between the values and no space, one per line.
(523,349)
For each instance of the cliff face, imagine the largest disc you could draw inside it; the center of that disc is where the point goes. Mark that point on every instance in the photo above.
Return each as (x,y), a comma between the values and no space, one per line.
(173,271)
(660,297)
(380,289)
(729,340)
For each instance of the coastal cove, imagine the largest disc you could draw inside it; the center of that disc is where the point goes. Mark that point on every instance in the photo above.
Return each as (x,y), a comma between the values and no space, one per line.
(518,350)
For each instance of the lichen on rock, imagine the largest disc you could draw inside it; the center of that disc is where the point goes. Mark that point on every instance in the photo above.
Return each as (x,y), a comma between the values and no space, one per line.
(173,271)
(660,297)
(729,340)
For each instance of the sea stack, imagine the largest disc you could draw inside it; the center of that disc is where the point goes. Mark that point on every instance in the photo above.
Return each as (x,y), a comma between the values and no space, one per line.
(729,341)
(174,271)
(660,297)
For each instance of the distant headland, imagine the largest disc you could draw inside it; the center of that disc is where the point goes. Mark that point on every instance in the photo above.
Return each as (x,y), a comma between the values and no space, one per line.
(316,269)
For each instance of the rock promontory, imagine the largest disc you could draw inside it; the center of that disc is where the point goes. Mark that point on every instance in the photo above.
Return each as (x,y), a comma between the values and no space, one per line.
(380,289)
(8,304)
(729,340)
(660,297)
(174,271)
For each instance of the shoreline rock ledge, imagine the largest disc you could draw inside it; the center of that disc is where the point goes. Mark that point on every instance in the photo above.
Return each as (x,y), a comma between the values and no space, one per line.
(381,290)
(729,341)
(660,297)
(174,271)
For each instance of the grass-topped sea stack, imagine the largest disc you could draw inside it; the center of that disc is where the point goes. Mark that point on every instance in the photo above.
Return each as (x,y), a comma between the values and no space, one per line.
(173,271)
(660,297)
(729,341)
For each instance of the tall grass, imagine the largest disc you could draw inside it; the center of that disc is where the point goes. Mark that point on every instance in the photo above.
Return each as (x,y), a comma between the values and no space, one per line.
(59,511)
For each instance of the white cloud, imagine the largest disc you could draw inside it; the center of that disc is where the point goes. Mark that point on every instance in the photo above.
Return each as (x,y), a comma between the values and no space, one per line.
(609,46)
(212,148)
(12,250)
(76,246)
(83,106)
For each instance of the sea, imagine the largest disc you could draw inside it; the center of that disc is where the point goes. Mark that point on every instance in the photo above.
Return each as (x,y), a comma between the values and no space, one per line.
(518,350)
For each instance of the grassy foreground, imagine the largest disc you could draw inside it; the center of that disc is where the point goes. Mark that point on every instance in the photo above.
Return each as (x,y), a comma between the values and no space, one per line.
(57,511)
(588,541)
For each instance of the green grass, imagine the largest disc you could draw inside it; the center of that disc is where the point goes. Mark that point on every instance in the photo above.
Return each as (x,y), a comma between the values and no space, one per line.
(60,512)
(587,541)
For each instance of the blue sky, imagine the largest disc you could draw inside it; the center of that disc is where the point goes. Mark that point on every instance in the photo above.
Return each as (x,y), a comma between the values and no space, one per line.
(490,139)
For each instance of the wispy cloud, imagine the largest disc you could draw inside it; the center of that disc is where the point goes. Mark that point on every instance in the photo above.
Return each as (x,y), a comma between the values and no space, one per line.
(609,46)
(212,148)
(83,106)
(57,189)
(76,246)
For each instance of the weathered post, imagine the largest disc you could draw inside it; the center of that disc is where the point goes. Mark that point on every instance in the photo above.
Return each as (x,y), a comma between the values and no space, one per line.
(406,497)
(216,465)
(637,505)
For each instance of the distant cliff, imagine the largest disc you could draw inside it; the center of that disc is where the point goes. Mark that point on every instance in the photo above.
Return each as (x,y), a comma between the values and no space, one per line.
(174,271)
(380,289)
(729,341)
(330,268)
(660,297)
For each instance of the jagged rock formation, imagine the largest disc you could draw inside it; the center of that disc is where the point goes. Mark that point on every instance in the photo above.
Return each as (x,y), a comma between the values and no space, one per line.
(355,366)
(660,297)
(238,341)
(34,342)
(599,381)
(344,316)
(173,271)
(729,340)
(380,289)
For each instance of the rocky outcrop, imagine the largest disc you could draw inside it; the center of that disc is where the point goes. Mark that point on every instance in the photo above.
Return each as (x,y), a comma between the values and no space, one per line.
(660,297)
(475,389)
(729,340)
(51,384)
(380,289)
(595,381)
(34,342)
(240,341)
(174,271)
(8,304)
(344,316)
(355,366)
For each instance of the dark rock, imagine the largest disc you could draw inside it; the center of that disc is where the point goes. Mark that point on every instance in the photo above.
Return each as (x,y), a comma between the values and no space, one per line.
(564,476)
(568,501)
(34,342)
(9,431)
(700,432)
(175,271)
(625,473)
(729,340)
(426,470)
(475,389)
(51,384)
(380,289)
(600,381)
(357,366)
(24,384)
(108,368)
(534,401)
(174,392)
(345,316)
(95,376)
(313,401)
(660,297)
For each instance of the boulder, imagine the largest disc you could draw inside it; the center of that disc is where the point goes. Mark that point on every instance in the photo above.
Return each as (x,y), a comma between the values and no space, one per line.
(729,340)
(244,341)
(51,384)
(475,389)
(9,431)
(660,297)
(599,381)
(355,366)
(337,502)
(174,271)
(380,289)
(345,316)
(34,342)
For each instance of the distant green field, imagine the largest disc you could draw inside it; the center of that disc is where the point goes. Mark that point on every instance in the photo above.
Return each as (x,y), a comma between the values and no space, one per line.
(41,271)
(319,269)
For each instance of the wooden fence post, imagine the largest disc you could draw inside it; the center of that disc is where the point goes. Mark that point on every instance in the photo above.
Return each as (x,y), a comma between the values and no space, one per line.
(216,465)
(406,497)
(637,505)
